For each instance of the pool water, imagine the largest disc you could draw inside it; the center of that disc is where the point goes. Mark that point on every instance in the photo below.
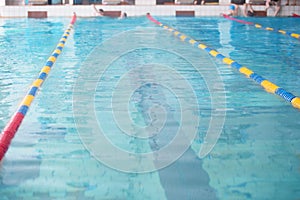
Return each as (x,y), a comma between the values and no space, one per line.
(138,85)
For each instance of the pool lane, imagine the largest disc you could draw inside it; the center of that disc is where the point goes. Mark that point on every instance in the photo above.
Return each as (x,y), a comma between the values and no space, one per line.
(266,84)
(13,125)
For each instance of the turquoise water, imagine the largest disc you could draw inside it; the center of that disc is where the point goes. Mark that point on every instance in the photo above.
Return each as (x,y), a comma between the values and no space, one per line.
(137,84)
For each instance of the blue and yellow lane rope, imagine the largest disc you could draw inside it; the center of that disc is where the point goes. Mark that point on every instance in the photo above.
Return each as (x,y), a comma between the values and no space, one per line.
(12,126)
(259,26)
(266,84)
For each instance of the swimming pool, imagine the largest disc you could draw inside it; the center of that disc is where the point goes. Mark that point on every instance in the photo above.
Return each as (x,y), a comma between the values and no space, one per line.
(110,68)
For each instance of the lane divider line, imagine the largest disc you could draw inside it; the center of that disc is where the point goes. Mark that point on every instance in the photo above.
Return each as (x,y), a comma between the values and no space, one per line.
(267,85)
(294,35)
(13,125)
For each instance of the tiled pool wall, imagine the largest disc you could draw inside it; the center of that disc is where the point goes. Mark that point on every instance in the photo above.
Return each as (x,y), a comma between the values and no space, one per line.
(135,10)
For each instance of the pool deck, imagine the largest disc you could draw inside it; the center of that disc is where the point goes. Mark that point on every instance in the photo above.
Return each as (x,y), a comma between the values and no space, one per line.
(133,10)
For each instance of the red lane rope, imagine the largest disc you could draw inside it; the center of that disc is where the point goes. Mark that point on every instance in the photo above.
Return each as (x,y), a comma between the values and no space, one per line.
(237,20)
(9,132)
(295,15)
(13,125)
(152,19)
(73,19)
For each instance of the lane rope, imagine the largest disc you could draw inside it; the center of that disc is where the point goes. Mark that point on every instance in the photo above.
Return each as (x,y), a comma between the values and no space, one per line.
(13,125)
(295,15)
(291,34)
(237,20)
(267,85)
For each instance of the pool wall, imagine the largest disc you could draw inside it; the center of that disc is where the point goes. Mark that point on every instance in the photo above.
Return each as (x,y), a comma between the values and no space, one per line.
(134,10)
